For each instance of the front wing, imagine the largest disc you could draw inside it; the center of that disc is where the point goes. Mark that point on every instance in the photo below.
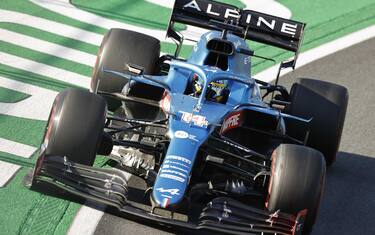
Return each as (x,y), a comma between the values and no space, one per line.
(109,187)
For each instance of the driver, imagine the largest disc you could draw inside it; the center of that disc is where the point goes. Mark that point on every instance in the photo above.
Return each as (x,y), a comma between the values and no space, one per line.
(216,91)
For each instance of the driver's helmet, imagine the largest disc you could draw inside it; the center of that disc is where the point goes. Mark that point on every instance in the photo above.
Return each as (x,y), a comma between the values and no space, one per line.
(217,91)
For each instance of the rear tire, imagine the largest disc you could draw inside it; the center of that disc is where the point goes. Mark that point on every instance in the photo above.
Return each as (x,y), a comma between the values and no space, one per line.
(75,126)
(326,103)
(297,181)
(118,48)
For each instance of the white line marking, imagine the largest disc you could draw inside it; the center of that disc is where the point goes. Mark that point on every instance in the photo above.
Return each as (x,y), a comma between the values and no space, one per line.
(321,51)
(86,219)
(163,3)
(65,8)
(271,7)
(7,170)
(14,148)
(45,70)
(51,26)
(266,6)
(41,100)
(47,47)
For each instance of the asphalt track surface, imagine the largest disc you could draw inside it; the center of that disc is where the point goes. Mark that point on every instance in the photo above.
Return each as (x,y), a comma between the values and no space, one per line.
(348,205)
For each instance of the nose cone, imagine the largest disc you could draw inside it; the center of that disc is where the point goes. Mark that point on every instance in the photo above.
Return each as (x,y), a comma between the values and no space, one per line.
(174,174)
(172,181)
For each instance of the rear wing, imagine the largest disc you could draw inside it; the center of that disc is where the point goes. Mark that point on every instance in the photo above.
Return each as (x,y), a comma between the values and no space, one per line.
(252,25)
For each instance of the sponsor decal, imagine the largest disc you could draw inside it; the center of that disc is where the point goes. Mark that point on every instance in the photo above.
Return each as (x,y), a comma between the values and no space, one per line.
(237,146)
(184,135)
(170,191)
(181,134)
(175,163)
(172,177)
(246,18)
(178,158)
(165,102)
(212,69)
(265,22)
(215,11)
(173,172)
(174,167)
(197,120)
(233,121)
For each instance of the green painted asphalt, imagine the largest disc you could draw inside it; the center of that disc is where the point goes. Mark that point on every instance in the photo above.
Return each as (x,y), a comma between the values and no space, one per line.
(318,34)
(33,213)
(11,96)
(31,78)
(29,212)
(46,59)
(50,37)
(27,7)
(139,13)
(21,130)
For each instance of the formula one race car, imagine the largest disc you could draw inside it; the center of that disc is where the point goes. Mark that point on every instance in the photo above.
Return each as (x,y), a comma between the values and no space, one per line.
(216,149)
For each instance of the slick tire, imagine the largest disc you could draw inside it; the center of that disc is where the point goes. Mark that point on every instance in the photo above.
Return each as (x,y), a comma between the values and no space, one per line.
(297,181)
(118,48)
(326,104)
(75,126)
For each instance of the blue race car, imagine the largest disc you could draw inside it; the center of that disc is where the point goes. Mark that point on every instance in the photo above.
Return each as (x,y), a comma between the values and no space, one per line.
(216,149)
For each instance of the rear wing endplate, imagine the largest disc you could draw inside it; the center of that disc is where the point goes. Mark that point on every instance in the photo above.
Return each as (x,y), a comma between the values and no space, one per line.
(271,30)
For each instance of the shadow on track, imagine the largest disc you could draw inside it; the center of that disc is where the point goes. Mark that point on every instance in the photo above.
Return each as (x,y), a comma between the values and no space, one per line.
(348,204)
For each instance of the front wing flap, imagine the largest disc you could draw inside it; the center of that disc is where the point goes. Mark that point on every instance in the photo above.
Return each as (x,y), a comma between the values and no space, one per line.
(109,187)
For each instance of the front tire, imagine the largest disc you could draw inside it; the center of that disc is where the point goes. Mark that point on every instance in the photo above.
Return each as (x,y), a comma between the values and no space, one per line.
(75,126)
(297,180)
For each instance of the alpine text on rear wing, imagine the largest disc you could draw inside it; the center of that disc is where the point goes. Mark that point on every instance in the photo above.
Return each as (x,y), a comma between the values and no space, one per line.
(279,32)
